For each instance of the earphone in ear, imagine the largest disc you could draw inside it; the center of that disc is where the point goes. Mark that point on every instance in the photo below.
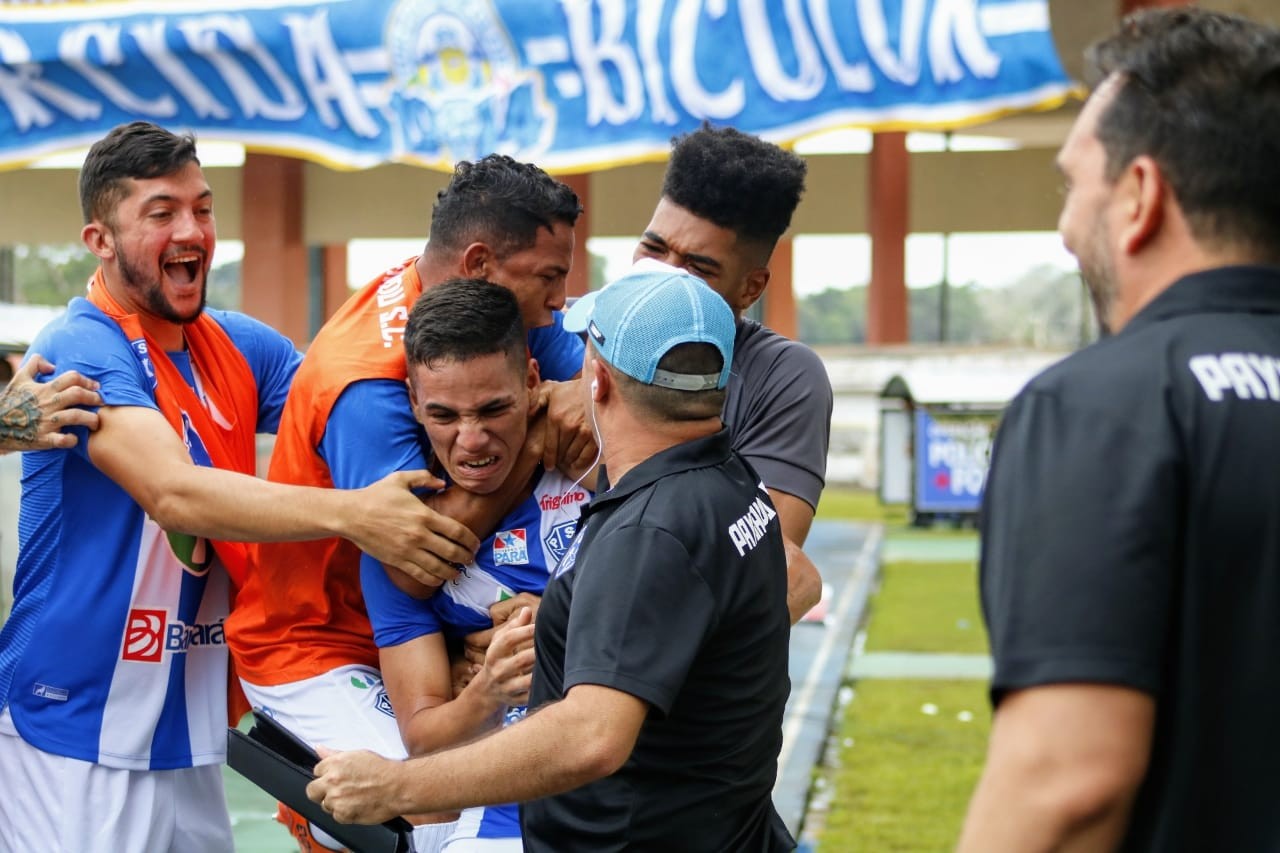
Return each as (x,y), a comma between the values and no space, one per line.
(595,386)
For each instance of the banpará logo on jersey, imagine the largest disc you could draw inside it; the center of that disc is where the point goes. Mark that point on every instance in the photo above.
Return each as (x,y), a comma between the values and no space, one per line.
(511,547)
(559,538)
(149,634)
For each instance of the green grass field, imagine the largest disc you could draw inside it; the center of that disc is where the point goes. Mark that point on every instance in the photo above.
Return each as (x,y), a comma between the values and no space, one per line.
(907,753)
(910,754)
(927,607)
(859,505)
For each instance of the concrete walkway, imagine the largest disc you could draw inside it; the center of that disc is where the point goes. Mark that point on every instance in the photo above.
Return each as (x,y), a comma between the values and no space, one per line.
(919,547)
(847,555)
(920,665)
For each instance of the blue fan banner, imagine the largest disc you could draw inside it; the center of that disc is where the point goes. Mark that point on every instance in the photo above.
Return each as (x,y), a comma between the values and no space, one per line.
(569,84)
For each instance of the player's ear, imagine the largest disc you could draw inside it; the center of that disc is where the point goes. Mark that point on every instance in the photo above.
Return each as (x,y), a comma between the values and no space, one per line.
(757,280)
(478,260)
(413,399)
(98,239)
(600,380)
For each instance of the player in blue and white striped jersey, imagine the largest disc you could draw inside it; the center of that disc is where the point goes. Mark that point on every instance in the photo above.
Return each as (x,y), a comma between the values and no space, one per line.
(471,386)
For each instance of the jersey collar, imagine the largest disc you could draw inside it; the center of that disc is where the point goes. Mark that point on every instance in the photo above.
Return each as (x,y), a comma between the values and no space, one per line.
(1235,289)
(705,452)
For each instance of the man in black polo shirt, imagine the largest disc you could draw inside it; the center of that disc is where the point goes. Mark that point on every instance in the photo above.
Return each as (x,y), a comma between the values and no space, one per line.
(1130,565)
(661,641)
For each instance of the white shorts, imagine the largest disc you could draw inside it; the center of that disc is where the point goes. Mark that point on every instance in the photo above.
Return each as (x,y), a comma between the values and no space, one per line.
(464,838)
(345,708)
(55,803)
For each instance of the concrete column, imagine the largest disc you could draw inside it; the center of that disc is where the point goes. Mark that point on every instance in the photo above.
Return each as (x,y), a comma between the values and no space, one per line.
(580,273)
(780,296)
(336,290)
(274,275)
(888,176)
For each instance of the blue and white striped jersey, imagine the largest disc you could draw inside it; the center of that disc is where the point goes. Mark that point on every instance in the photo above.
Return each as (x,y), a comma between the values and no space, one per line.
(114,652)
(519,557)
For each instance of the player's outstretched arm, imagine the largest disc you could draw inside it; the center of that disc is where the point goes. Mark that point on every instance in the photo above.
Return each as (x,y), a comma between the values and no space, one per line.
(136,448)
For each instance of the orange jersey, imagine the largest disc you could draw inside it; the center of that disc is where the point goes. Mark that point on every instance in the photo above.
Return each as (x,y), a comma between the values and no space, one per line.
(300,613)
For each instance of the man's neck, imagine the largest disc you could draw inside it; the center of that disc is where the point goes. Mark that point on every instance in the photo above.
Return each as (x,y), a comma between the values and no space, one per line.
(630,441)
(1162,269)
(432,270)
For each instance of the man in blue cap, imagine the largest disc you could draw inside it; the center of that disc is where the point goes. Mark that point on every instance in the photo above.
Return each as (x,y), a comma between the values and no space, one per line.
(661,641)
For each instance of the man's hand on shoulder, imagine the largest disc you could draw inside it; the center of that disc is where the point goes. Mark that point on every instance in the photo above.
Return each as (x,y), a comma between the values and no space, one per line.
(393,525)
(569,447)
(33,414)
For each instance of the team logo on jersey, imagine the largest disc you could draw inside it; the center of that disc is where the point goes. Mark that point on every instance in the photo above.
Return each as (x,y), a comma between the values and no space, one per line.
(56,694)
(570,556)
(149,634)
(139,346)
(511,547)
(369,680)
(559,538)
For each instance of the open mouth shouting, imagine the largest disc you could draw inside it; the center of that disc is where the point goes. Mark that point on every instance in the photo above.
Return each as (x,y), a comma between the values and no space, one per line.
(184,267)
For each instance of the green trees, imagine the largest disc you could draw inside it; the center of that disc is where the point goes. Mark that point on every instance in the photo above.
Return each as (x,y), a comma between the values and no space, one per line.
(1045,308)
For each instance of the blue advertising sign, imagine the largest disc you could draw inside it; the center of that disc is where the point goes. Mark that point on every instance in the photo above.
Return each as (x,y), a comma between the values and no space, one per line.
(571,84)
(952,452)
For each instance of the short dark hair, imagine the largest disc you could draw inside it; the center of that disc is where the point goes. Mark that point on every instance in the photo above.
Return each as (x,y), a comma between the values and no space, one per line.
(501,202)
(736,180)
(672,404)
(139,149)
(1199,92)
(461,319)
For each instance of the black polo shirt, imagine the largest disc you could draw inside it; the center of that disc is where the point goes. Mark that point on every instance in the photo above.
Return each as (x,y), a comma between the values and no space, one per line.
(1131,536)
(674,591)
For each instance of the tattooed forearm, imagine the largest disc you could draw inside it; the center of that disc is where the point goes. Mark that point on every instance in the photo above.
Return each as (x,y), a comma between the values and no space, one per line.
(19,419)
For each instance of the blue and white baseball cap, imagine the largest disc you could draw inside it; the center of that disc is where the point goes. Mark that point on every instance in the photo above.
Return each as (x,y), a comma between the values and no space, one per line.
(637,319)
